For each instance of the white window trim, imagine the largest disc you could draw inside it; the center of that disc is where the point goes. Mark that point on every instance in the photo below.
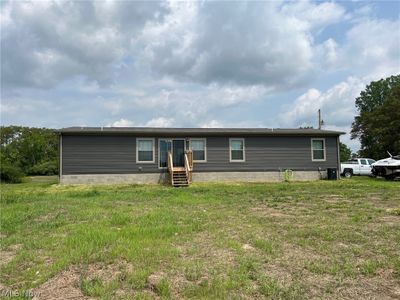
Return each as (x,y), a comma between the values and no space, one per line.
(137,151)
(205,149)
(312,154)
(230,150)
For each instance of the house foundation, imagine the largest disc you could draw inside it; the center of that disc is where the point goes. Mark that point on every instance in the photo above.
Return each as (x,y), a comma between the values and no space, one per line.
(160,178)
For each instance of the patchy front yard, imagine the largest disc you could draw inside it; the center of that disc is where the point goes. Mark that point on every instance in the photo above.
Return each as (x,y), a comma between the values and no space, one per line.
(321,239)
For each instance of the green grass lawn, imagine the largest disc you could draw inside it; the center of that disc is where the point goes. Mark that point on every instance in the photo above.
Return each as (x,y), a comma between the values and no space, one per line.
(325,239)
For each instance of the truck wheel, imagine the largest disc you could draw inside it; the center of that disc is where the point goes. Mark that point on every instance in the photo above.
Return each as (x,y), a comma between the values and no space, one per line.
(390,177)
(347,173)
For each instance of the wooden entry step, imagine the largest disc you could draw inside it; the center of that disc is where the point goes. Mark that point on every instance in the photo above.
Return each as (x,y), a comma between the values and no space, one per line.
(179,169)
(179,178)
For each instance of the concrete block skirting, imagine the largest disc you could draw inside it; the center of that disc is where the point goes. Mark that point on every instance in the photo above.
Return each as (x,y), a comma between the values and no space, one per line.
(272,176)
(148,178)
(145,178)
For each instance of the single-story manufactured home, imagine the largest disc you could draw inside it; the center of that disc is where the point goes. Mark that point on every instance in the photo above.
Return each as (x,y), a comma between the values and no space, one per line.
(184,155)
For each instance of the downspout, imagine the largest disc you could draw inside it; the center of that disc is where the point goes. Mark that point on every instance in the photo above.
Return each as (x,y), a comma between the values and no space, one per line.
(338,156)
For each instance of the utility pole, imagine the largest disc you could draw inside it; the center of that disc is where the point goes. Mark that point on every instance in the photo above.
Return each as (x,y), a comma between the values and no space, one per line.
(320,121)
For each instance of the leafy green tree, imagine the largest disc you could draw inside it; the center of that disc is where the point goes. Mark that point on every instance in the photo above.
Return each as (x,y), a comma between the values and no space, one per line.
(345,152)
(34,151)
(378,123)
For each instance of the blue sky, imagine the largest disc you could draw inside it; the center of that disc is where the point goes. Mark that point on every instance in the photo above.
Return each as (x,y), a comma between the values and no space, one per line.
(193,64)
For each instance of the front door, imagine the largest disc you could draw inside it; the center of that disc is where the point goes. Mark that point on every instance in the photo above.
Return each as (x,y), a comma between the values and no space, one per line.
(178,153)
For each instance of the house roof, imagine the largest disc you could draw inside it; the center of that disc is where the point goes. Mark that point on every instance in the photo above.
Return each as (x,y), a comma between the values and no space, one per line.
(147,131)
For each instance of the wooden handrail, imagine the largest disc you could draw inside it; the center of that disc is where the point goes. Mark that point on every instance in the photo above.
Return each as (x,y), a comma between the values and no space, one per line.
(171,166)
(190,155)
(170,162)
(189,164)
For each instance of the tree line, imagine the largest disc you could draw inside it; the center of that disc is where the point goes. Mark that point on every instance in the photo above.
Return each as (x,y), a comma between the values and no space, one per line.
(34,151)
(27,151)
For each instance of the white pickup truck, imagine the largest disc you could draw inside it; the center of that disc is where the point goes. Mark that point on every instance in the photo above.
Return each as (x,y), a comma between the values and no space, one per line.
(357,166)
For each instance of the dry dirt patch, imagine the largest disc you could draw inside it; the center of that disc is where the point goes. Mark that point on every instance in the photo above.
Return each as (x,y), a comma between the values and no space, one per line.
(334,199)
(379,201)
(247,247)
(265,211)
(391,220)
(203,246)
(381,286)
(66,284)
(378,287)
(108,273)
(154,279)
(9,254)
(177,282)
(205,256)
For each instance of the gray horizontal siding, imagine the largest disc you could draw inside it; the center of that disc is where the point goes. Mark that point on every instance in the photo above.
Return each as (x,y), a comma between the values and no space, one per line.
(117,155)
(267,153)
(102,155)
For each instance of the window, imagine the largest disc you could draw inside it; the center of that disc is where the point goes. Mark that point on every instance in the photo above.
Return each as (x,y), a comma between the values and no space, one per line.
(236,149)
(318,149)
(198,147)
(363,162)
(145,150)
(371,161)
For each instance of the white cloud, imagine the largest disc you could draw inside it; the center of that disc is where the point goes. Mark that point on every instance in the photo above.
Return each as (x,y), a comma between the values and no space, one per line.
(114,106)
(329,53)
(354,145)
(160,122)
(122,123)
(240,43)
(155,122)
(185,106)
(336,104)
(47,42)
(267,43)
(372,47)
(309,15)
(213,124)
(238,124)
(364,12)
(129,63)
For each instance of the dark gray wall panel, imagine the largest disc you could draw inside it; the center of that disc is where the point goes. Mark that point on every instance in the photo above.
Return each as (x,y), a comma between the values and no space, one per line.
(267,153)
(117,155)
(102,155)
